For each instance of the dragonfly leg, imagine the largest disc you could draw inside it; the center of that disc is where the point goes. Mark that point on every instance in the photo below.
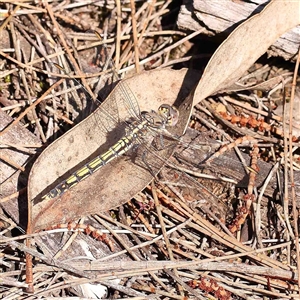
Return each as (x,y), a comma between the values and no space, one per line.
(144,160)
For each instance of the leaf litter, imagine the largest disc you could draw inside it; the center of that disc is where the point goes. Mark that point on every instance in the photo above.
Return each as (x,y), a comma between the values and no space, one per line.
(214,223)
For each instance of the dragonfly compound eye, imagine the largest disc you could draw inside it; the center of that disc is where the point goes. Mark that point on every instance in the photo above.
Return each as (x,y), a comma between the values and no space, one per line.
(169,113)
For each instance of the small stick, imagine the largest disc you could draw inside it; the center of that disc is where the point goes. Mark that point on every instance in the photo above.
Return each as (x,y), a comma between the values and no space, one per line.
(135,36)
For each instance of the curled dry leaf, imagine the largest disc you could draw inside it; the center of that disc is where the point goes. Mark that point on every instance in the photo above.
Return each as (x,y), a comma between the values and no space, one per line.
(122,178)
(245,45)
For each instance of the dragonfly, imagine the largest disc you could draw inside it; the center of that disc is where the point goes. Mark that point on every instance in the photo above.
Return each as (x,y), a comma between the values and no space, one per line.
(138,127)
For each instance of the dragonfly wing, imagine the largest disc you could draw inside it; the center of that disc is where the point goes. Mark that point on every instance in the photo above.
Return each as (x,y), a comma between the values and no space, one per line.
(120,106)
(129,100)
(107,114)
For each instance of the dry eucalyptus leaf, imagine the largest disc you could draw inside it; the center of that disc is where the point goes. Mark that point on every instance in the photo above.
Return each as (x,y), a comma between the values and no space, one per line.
(245,45)
(118,181)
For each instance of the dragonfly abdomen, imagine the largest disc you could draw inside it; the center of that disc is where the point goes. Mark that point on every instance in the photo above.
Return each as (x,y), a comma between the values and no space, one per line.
(118,149)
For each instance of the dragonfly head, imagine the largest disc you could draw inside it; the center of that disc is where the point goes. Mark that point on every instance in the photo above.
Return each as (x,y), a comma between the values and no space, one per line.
(166,115)
(169,114)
